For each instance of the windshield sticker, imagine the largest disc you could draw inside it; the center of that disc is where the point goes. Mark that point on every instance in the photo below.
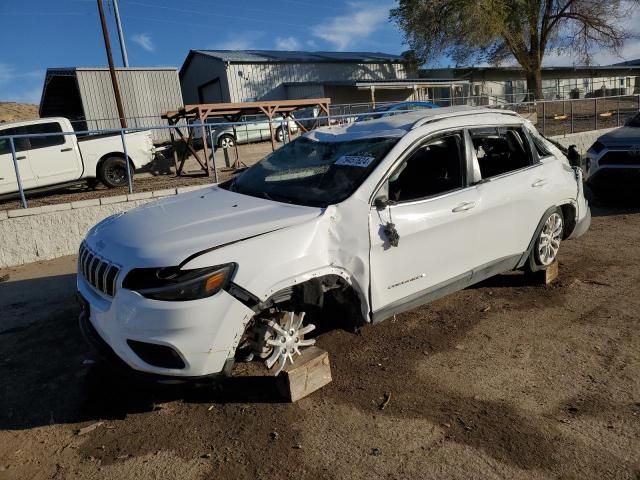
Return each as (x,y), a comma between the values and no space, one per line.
(355,161)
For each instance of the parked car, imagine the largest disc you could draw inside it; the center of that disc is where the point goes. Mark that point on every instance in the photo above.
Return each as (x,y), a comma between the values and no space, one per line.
(614,159)
(253,129)
(394,109)
(54,161)
(344,224)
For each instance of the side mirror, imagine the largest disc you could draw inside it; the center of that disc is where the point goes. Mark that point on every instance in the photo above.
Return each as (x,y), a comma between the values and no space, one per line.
(574,157)
(381,202)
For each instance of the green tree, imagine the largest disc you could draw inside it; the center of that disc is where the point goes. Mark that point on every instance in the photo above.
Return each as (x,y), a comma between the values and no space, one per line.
(494,31)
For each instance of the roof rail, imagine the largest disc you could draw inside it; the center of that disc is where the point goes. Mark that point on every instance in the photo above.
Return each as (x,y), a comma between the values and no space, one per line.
(462,113)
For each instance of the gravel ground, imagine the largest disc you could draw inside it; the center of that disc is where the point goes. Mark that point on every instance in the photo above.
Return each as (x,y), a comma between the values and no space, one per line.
(502,380)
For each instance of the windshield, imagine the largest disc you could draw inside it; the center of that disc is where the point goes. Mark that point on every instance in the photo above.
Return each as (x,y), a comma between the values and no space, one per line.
(634,122)
(312,173)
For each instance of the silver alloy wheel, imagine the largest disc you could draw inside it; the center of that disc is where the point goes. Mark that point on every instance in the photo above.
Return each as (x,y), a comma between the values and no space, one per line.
(286,340)
(226,142)
(549,241)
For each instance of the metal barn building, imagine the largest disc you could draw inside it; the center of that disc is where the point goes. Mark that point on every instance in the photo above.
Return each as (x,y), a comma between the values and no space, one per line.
(213,76)
(85,96)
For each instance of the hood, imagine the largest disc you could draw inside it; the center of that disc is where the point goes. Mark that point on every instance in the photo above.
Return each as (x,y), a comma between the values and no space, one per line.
(624,136)
(166,232)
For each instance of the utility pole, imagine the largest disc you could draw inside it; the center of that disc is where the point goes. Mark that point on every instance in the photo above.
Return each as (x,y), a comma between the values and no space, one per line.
(112,70)
(123,48)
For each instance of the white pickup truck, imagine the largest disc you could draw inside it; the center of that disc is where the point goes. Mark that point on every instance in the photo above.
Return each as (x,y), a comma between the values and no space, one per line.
(56,160)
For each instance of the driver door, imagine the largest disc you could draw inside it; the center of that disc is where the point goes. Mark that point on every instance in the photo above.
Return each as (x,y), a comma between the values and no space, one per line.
(432,209)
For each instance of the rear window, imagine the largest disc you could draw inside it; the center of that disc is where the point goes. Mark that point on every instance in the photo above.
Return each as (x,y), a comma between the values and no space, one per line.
(48,141)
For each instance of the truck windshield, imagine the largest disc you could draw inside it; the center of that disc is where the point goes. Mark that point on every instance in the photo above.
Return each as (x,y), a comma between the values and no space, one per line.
(312,173)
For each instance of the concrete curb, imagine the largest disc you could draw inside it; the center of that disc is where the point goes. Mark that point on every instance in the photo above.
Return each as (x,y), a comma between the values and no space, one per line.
(43,233)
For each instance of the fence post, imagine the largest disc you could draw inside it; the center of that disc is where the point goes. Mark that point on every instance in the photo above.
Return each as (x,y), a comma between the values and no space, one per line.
(15,166)
(544,118)
(595,113)
(571,113)
(126,159)
(213,154)
(618,114)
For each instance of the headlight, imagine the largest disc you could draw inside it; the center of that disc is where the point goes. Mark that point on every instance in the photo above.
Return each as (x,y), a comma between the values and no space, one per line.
(597,147)
(173,284)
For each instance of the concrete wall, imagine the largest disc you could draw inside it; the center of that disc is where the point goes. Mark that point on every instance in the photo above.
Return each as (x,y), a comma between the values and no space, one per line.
(582,140)
(43,233)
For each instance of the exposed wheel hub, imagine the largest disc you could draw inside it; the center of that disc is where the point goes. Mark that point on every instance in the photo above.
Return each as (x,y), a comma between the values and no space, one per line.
(286,338)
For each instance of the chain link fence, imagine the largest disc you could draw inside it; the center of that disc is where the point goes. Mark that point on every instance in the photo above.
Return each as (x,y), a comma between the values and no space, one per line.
(223,138)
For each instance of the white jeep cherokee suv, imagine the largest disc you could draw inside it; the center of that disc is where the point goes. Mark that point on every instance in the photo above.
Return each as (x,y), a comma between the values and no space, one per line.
(348,224)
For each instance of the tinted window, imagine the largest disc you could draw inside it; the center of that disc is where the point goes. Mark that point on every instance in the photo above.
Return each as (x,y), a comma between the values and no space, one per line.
(434,168)
(48,141)
(500,150)
(20,144)
(314,173)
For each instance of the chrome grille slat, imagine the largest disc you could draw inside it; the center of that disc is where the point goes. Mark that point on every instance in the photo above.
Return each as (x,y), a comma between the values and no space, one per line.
(100,273)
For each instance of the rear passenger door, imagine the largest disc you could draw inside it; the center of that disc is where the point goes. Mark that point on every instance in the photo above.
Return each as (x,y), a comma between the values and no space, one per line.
(54,158)
(510,184)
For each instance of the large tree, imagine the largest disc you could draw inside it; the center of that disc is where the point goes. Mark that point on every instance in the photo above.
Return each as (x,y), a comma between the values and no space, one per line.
(494,31)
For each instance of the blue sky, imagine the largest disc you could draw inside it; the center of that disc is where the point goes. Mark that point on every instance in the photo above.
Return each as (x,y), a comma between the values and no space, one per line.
(44,33)
(37,34)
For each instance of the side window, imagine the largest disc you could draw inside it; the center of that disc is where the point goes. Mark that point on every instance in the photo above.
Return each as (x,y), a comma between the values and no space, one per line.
(433,168)
(500,150)
(20,144)
(48,141)
(541,148)
(4,145)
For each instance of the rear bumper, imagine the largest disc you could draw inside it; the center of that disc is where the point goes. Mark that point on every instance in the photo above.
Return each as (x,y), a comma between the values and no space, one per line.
(582,226)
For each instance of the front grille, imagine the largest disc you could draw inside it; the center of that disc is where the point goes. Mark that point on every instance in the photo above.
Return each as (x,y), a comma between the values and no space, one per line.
(617,157)
(98,272)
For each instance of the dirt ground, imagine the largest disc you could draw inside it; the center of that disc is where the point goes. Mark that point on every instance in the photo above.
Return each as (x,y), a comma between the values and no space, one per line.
(502,380)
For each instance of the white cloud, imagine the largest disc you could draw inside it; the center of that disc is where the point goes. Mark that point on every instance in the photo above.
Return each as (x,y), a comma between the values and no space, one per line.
(288,43)
(144,41)
(344,30)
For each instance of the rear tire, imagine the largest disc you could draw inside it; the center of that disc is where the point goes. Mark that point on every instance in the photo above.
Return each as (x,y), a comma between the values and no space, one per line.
(112,172)
(226,141)
(547,244)
(282,135)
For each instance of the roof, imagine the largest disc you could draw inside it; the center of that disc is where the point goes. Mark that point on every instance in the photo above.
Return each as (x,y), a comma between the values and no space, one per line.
(633,63)
(280,56)
(294,56)
(74,70)
(398,125)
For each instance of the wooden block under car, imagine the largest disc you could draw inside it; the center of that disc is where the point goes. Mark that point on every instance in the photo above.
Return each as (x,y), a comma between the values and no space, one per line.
(545,277)
(309,372)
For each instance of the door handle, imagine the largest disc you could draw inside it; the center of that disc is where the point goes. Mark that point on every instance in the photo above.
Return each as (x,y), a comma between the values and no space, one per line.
(541,182)
(463,207)
(68,149)
(21,157)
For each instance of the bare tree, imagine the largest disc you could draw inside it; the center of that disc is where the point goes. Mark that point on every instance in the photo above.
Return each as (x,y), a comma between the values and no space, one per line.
(494,31)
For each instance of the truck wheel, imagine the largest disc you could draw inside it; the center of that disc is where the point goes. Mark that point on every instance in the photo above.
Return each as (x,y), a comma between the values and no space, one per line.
(547,244)
(113,172)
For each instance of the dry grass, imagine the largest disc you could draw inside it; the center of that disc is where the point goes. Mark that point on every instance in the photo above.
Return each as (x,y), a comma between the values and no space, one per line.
(12,111)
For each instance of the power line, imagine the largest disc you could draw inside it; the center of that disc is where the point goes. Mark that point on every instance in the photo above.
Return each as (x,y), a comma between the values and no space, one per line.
(199,12)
